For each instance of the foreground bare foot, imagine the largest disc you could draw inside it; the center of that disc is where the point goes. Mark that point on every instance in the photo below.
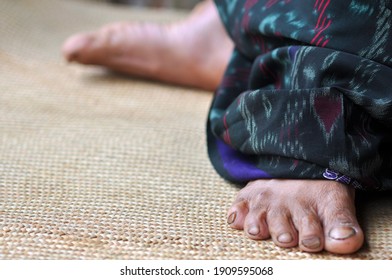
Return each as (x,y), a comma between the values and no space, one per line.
(193,52)
(311,214)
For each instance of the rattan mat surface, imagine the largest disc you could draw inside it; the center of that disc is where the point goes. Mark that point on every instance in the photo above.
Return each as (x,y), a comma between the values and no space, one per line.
(95,165)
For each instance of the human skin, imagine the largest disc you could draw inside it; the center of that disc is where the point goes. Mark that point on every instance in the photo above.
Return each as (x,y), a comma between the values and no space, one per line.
(313,215)
(193,52)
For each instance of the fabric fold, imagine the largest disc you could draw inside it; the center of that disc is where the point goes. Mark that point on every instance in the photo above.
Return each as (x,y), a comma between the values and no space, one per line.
(287,110)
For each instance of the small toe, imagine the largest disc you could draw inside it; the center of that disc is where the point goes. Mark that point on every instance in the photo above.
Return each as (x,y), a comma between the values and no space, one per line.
(255,225)
(282,230)
(311,233)
(237,214)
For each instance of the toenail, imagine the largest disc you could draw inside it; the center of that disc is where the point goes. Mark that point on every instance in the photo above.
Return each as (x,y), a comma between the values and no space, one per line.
(285,238)
(311,243)
(232,218)
(340,233)
(254,230)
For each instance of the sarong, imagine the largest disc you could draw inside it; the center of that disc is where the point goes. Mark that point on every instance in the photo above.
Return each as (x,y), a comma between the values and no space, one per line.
(307,93)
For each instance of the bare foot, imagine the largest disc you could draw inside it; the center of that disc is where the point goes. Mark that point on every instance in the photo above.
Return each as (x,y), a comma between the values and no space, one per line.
(311,214)
(193,52)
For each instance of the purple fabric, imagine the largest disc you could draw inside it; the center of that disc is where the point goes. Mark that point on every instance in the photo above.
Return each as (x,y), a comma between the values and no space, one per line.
(292,51)
(238,165)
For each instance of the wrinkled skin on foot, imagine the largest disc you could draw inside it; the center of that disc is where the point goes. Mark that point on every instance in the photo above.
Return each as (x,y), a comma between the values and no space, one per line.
(193,52)
(311,214)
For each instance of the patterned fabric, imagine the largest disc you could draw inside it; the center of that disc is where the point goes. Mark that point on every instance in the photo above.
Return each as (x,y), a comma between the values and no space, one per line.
(307,93)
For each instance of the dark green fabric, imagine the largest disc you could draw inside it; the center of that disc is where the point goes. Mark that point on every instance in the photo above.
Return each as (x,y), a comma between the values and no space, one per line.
(307,93)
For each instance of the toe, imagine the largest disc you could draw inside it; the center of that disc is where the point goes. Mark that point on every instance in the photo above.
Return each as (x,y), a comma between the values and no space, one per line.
(282,230)
(343,234)
(310,231)
(74,46)
(255,225)
(237,214)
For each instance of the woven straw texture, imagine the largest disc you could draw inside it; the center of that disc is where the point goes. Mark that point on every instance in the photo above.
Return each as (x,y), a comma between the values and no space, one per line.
(95,165)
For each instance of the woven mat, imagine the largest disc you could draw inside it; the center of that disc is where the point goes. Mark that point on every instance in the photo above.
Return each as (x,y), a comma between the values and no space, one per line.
(95,165)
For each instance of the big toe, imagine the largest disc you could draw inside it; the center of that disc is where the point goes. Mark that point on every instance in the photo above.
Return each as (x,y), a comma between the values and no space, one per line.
(75,46)
(343,235)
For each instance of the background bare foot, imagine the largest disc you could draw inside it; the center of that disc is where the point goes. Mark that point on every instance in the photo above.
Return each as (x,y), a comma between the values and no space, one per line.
(193,52)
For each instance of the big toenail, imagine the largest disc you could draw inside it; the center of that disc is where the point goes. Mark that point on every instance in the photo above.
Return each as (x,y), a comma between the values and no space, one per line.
(232,218)
(285,238)
(311,243)
(341,233)
(254,230)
